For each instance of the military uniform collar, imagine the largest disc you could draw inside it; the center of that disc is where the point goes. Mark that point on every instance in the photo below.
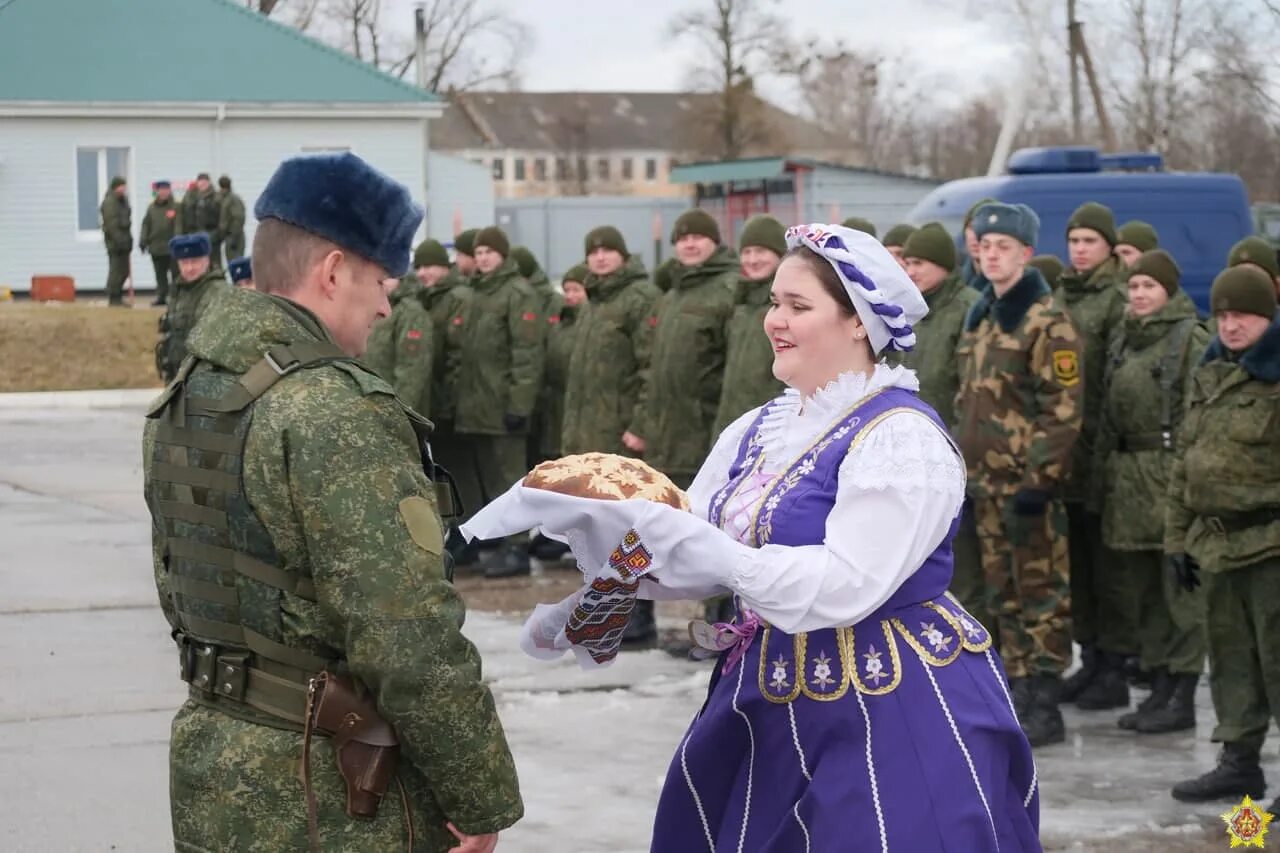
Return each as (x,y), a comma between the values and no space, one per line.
(1010,309)
(754,292)
(1100,277)
(946,291)
(1261,361)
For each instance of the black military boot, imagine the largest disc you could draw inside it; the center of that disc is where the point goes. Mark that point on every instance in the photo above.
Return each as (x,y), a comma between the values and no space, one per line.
(509,561)
(1161,690)
(1179,713)
(1238,773)
(641,631)
(1109,687)
(1043,723)
(1074,685)
(547,550)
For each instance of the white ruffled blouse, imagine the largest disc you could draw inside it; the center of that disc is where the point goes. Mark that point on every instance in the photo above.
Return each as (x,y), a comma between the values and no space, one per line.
(899,490)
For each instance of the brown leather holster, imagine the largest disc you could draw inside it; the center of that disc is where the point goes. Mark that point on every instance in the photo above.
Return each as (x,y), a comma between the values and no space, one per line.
(364,743)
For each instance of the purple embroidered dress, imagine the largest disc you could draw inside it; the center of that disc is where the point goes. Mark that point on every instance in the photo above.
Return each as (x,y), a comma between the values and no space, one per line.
(896,733)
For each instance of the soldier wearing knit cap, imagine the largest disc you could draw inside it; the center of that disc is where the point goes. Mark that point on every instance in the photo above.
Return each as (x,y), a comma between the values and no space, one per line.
(1050,267)
(1147,381)
(117,236)
(857,223)
(1222,527)
(1018,415)
(1258,253)
(1133,238)
(895,238)
(605,237)
(464,248)
(550,302)
(494,361)
(1093,290)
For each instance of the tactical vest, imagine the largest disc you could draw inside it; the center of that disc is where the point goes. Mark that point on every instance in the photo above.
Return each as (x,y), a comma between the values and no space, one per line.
(1167,373)
(225,580)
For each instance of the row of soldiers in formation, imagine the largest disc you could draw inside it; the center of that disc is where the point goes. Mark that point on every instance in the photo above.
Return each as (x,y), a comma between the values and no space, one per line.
(1095,498)
(217,213)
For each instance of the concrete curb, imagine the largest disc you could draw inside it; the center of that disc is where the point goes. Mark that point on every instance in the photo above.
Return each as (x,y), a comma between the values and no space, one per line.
(131,398)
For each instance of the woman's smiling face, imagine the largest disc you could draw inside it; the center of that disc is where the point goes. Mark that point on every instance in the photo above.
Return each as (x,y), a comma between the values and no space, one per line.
(814,338)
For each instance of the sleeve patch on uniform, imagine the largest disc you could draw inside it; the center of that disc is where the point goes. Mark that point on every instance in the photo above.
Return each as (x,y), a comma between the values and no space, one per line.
(1066,366)
(414,334)
(529,317)
(424,524)
(653,322)
(553,319)
(457,321)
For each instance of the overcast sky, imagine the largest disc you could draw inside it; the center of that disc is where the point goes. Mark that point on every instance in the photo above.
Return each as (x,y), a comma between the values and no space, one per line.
(611,45)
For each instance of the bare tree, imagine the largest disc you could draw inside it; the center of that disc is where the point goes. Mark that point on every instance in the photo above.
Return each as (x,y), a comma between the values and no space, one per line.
(739,40)
(470,45)
(300,14)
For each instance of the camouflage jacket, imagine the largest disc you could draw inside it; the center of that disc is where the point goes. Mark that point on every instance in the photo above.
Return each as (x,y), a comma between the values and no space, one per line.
(748,366)
(201,212)
(230,215)
(401,347)
(332,473)
(1020,398)
(188,301)
(937,338)
(610,361)
(159,224)
(117,226)
(687,370)
(1096,303)
(1224,489)
(550,298)
(1131,463)
(561,337)
(495,362)
(446,299)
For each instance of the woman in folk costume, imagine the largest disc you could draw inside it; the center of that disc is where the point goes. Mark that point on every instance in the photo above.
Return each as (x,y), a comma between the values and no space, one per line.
(855,705)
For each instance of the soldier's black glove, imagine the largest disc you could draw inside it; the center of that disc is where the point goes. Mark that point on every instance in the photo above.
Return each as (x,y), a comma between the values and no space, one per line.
(514,423)
(1030,502)
(1185,570)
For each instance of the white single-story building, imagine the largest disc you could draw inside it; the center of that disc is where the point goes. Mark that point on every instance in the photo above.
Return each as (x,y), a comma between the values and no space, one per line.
(166,89)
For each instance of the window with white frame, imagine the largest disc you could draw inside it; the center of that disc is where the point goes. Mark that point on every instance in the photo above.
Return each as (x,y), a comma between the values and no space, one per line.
(95,167)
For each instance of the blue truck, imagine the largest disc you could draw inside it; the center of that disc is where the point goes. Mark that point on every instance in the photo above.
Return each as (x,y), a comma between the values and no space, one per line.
(1200,215)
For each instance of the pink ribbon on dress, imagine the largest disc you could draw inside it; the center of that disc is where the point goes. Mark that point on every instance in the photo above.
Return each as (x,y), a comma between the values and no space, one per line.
(744,634)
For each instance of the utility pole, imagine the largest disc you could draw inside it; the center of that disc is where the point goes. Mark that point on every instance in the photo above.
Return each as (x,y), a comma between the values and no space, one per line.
(420,43)
(1072,28)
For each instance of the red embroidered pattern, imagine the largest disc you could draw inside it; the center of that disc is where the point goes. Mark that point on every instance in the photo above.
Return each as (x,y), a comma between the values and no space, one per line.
(598,621)
(631,560)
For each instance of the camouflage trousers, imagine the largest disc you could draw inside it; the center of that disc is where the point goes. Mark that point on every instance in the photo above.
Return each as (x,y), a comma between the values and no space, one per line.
(1027,570)
(117,275)
(499,461)
(968,583)
(1242,621)
(1170,620)
(235,785)
(1102,607)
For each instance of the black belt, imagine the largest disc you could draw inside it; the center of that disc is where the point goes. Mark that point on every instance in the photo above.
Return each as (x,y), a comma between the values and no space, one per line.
(1239,521)
(220,674)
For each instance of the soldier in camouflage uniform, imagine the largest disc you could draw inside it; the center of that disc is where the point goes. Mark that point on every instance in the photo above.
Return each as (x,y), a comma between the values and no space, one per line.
(1149,367)
(748,370)
(1020,409)
(201,212)
(380,353)
(1223,523)
(494,366)
(679,401)
(295,533)
(562,336)
(159,225)
(117,236)
(549,302)
(1091,290)
(197,287)
(464,248)
(1050,267)
(930,257)
(230,219)
(409,333)
(610,360)
(970,269)
(1258,253)
(662,274)
(1132,239)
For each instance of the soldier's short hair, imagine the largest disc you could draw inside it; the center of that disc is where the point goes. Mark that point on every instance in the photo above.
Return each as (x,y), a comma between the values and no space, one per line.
(282,255)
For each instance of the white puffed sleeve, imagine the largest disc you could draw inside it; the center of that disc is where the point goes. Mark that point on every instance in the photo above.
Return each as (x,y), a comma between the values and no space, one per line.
(899,490)
(714,472)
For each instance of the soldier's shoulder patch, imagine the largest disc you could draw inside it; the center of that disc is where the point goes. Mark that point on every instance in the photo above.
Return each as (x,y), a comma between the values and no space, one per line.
(1066,366)
(366,380)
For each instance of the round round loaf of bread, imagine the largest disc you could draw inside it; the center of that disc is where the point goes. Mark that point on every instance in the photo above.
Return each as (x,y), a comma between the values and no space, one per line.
(606,477)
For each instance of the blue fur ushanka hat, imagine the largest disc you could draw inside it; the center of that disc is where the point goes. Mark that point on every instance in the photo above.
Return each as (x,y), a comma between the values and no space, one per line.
(345,200)
(186,246)
(239,269)
(1016,220)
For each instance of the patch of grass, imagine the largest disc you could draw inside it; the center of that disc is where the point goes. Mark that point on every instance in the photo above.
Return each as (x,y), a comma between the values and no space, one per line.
(76,346)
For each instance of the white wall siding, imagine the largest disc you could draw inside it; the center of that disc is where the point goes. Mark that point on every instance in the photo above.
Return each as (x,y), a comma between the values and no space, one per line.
(38,233)
(458,190)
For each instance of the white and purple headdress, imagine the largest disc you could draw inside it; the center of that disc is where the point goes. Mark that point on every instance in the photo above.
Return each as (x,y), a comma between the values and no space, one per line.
(887,301)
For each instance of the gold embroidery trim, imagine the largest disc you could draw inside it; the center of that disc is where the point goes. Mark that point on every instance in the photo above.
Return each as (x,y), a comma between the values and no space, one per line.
(765,664)
(802,647)
(892,648)
(925,653)
(954,622)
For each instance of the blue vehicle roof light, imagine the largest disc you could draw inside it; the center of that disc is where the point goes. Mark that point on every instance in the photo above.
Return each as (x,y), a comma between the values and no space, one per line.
(1137,161)
(1040,161)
